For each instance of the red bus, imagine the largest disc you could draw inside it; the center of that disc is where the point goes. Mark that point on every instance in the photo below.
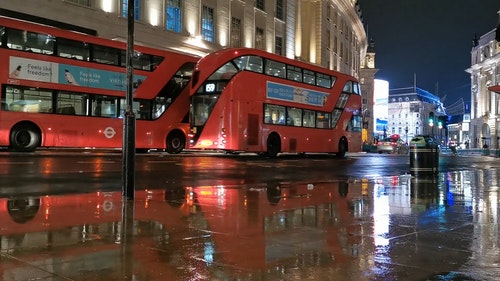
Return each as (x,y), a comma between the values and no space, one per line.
(61,88)
(250,100)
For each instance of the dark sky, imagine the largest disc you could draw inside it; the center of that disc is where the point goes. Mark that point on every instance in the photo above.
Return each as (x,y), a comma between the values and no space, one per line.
(427,39)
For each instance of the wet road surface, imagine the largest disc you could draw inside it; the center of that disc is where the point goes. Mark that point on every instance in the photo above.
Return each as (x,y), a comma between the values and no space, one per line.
(363,218)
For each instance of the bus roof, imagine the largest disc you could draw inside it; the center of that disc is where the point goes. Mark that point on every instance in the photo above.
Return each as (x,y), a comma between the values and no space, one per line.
(222,56)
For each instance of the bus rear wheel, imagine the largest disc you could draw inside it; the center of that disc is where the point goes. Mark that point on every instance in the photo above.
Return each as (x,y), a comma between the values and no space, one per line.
(273,145)
(343,148)
(175,142)
(24,137)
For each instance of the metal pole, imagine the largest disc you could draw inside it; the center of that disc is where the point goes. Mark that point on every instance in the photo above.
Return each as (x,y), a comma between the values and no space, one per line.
(128,170)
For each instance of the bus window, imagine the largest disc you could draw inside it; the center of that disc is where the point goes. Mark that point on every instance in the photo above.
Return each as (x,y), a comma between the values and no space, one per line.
(3,37)
(336,116)
(309,77)
(356,88)
(251,63)
(104,106)
(40,43)
(225,72)
(348,87)
(140,61)
(27,99)
(15,39)
(323,120)
(294,117)
(71,103)
(342,100)
(324,81)
(202,106)
(72,49)
(355,123)
(275,68)
(274,114)
(294,73)
(105,55)
(309,118)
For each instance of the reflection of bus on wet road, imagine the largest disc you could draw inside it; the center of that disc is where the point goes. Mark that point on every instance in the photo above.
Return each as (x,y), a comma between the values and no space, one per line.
(80,237)
(251,100)
(278,224)
(61,88)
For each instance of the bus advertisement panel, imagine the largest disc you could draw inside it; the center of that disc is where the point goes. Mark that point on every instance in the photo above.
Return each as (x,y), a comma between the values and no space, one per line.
(61,88)
(250,100)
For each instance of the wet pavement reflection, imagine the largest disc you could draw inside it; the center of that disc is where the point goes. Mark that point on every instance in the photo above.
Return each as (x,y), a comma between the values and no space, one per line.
(442,227)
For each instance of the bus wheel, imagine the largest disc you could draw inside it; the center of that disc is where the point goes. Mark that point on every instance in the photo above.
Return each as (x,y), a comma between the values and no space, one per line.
(273,145)
(175,142)
(342,148)
(24,137)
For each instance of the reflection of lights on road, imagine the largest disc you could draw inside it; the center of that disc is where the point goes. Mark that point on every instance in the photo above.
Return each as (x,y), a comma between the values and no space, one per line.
(381,217)
(221,193)
(208,252)
(47,165)
(47,207)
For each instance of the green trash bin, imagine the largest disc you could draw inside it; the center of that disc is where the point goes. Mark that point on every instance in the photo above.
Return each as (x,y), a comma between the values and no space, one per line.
(424,155)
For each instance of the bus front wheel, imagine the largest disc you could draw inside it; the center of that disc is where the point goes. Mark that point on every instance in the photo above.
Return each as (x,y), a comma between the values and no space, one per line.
(343,148)
(273,145)
(175,142)
(24,137)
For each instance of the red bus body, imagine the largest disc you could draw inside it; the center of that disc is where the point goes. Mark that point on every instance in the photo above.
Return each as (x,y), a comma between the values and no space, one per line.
(249,100)
(61,88)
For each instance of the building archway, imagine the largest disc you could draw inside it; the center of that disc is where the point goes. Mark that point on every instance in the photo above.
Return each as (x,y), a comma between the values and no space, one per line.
(486,135)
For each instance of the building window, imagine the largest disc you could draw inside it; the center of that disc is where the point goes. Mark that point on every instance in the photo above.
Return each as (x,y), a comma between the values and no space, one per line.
(259,4)
(173,12)
(328,39)
(137,9)
(279,9)
(278,47)
(207,24)
(86,3)
(235,32)
(259,38)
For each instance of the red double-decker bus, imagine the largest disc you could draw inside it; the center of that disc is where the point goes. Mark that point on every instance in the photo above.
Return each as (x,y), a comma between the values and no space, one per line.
(61,88)
(250,100)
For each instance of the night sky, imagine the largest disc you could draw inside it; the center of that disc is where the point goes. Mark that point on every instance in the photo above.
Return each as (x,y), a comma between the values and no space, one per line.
(429,40)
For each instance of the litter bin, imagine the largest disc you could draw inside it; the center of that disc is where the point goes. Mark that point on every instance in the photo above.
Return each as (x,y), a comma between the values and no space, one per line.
(424,155)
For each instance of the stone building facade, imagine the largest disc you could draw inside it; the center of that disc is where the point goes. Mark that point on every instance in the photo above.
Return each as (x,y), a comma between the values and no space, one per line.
(329,33)
(485,104)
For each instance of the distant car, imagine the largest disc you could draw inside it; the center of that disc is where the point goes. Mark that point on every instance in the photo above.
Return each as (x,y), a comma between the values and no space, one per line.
(392,145)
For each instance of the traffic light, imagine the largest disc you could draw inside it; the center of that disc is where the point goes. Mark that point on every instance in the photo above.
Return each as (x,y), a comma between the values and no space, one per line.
(441,121)
(431,119)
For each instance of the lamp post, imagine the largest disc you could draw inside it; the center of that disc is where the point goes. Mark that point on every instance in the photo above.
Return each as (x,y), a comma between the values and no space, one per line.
(406,131)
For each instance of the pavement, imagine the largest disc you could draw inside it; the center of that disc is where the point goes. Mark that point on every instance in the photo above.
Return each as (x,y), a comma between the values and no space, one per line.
(401,227)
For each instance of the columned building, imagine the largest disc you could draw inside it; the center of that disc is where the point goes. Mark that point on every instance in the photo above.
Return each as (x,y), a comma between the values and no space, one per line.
(409,112)
(367,82)
(485,103)
(329,33)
